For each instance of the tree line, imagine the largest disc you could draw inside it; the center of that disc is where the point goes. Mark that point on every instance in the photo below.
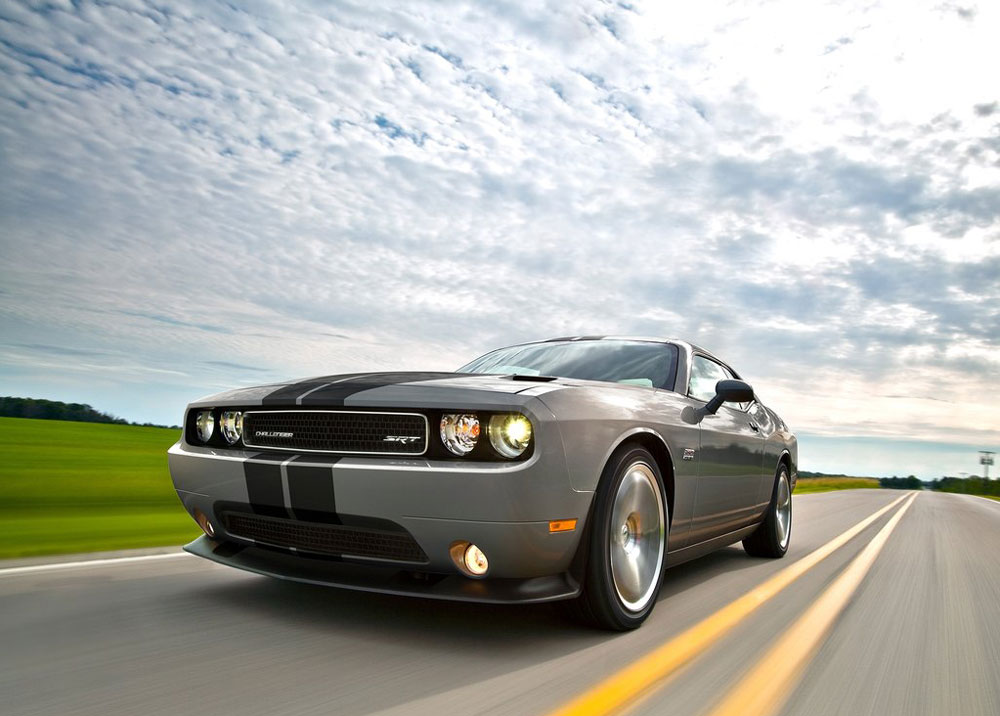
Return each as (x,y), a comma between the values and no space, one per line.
(967,485)
(901,483)
(963,485)
(41,409)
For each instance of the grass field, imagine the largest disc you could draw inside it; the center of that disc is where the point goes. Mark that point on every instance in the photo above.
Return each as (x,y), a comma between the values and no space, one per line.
(806,485)
(79,487)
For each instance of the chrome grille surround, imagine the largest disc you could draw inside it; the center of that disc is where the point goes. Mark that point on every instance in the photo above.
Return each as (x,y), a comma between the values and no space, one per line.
(341,432)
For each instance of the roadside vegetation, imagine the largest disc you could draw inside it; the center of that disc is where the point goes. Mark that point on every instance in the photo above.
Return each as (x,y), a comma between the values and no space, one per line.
(969,486)
(827,483)
(901,483)
(40,409)
(81,487)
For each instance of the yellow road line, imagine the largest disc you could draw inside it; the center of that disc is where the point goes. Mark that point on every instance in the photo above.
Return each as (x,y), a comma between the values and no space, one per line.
(625,686)
(769,684)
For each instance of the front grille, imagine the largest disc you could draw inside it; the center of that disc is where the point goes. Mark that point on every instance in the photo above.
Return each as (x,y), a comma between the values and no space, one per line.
(340,431)
(339,540)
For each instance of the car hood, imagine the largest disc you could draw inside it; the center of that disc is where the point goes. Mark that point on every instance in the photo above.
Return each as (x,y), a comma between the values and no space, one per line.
(386,389)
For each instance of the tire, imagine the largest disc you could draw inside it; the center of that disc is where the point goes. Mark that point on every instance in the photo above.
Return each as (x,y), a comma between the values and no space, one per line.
(627,542)
(772,537)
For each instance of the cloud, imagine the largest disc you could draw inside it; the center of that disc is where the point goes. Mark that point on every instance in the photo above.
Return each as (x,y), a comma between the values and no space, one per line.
(60,350)
(309,188)
(985,109)
(176,322)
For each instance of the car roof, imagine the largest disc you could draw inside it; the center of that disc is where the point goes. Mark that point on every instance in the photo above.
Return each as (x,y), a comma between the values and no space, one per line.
(649,339)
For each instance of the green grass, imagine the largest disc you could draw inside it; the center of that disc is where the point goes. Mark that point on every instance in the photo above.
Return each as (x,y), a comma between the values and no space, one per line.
(806,485)
(79,487)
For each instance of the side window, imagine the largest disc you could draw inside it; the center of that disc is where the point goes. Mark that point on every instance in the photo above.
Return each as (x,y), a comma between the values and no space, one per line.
(705,374)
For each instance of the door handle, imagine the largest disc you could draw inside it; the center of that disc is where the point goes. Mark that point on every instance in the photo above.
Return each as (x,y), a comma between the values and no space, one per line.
(754,427)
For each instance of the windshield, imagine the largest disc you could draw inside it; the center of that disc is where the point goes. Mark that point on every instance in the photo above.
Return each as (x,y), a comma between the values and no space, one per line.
(644,363)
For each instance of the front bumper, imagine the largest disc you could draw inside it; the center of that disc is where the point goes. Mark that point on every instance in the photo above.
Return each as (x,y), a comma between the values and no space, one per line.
(504,508)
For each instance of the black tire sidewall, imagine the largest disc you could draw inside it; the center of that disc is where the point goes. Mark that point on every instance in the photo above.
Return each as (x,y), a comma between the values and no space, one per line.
(763,542)
(772,516)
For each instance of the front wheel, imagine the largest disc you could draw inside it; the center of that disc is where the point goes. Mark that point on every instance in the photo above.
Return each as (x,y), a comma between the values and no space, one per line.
(627,542)
(772,537)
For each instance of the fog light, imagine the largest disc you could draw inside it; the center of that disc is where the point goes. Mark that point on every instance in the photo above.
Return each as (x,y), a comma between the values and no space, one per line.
(475,560)
(470,560)
(206,524)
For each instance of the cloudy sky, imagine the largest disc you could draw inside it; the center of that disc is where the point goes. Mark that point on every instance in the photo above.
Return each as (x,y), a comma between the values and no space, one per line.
(196,196)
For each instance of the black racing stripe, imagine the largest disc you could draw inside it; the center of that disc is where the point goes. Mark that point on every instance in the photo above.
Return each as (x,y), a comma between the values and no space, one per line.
(278,457)
(338,392)
(310,493)
(286,394)
(264,487)
(317,458)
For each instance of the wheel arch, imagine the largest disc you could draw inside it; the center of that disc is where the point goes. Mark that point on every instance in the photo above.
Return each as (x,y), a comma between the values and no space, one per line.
(657,446)
(785,458)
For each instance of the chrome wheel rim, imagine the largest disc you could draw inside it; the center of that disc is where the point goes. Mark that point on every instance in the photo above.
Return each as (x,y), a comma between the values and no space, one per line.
(783,510)
(637,537)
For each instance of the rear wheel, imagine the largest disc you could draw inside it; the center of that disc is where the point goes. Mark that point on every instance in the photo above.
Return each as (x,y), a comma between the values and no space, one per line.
(627,542)
(772,537)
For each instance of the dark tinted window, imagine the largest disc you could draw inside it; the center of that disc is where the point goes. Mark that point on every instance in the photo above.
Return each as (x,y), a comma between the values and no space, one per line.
(634,362)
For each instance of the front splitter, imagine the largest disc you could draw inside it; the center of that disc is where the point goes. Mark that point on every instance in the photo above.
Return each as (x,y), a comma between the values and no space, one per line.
(384,579)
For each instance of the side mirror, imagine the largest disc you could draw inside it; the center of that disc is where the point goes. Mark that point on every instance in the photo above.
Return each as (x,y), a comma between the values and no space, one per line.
(729,391)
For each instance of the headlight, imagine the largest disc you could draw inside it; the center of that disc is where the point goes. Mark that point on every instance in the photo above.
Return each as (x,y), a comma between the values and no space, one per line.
(232,426)
(204,424)
(459,432)
(510,435)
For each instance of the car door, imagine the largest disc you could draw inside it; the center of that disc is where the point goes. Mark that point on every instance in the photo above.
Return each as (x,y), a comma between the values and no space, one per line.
(771,452)
(730,458)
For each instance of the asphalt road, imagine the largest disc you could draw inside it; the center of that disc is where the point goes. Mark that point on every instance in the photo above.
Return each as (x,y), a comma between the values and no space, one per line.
(921,635)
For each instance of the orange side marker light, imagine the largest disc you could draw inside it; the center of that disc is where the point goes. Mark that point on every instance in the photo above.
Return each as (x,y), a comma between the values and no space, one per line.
(562,525)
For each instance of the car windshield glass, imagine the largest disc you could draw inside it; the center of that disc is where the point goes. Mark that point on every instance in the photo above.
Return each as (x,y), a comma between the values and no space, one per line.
(644,363)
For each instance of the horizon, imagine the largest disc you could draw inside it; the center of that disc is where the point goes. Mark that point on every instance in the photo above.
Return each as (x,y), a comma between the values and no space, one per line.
(199,197)
(812,443)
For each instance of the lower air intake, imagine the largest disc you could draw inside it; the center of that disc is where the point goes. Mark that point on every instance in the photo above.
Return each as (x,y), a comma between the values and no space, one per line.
(318,538)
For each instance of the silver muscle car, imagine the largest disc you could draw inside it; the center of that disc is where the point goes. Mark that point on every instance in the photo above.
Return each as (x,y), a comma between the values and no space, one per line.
(569,469)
